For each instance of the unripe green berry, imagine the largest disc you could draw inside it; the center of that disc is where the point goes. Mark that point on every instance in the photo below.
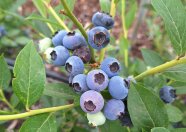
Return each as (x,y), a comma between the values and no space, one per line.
(44,44)
(96,119)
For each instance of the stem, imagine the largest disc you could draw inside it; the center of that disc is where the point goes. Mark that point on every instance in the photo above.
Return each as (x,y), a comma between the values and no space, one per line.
(112,13)
(34,112)
(160,68)
(125,31)
(79,25)
(52,11)
(3,98)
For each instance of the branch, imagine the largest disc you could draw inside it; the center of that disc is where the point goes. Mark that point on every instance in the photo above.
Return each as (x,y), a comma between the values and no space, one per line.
(34,112)
(160,68)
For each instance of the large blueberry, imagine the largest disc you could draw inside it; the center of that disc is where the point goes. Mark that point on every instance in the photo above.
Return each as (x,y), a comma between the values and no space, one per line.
(97,80)
(110,66)
(74,65)
(114,109)
(167,94)
(118,87)
(74,40)
(79,83)
(98,37)
(57,39)
(91,102)
(103,19)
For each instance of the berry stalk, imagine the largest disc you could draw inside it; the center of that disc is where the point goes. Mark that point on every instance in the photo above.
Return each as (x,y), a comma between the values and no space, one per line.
(112,13)
(160,68)
(125,32)
(79,25)
(52,11)
(34,112)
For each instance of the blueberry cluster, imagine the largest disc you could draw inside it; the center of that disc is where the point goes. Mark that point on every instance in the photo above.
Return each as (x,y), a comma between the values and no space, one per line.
(96,81)
(70,50)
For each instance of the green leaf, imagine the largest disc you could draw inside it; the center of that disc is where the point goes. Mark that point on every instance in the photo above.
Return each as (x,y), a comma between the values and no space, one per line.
(159,129)
(145,108)
(151,58)
(180,87)
(60,90)
(173,14)
(29,72)
(174,114)
(130,16)
(179,130)
(111,126)
(105,5)
(5,75)
(176,73)
(22,40)
(40,123)
(38,17)
(41,7)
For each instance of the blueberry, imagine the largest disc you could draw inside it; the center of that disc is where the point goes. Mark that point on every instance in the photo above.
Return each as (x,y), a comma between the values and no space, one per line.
(57,39)
(96,119)
(44,44)
(79,83)
(167,94)
(98,37)
(74,65)
(57,55)
(114,109)
(103,19)
(110,66)
(91,102)
(73,40)
(84,53)
(118,88)
(2,31)
(97,80)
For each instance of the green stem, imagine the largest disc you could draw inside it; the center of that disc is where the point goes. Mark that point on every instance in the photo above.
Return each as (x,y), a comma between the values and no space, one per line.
(54,14)
(34,112)
(3,98)
(160,68)
(112,13)
(79,25)
(125,31)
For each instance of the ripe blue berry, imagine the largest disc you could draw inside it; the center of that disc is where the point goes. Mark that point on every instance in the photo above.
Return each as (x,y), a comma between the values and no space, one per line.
(91,102)
(57,39)
(118,87)
(103,19)
(74,65)
(83,53)
(110,66)
(79,83)
(167,94)
(97,80)
(114,109)
(73,40)
(98,37)
(57,55)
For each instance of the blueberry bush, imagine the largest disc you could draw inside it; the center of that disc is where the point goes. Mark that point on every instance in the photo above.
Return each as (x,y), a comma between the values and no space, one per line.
(103,87)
